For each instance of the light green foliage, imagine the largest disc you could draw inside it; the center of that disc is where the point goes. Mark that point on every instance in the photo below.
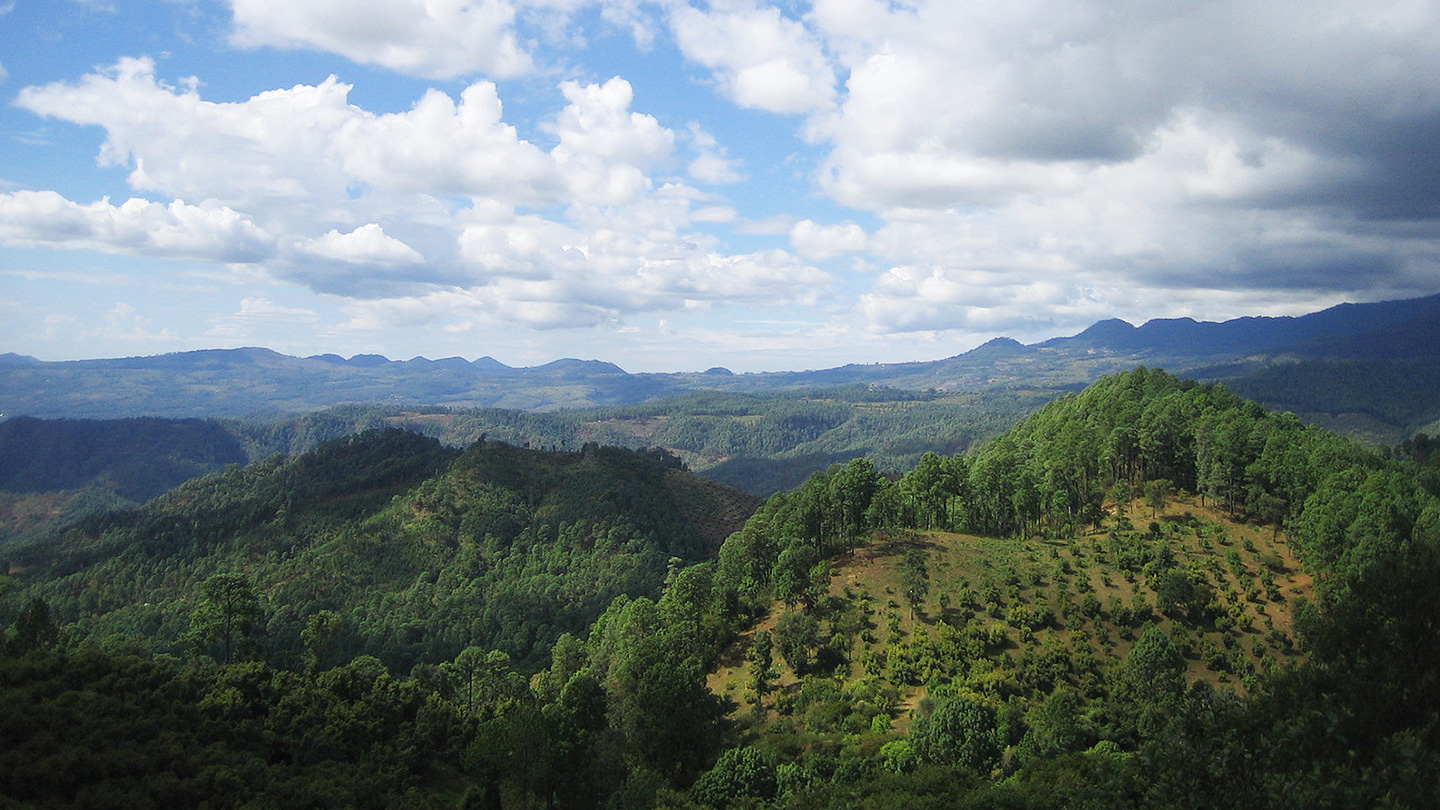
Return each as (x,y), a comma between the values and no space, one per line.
(898,756)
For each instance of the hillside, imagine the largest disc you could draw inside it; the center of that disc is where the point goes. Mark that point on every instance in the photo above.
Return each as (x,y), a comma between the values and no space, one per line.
(1035,614)
(1151,593)
(56,471)
(1136,597)
(421,549)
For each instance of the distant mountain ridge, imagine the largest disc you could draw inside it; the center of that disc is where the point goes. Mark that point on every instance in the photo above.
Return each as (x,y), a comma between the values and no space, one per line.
(1316,334)
(1394,339)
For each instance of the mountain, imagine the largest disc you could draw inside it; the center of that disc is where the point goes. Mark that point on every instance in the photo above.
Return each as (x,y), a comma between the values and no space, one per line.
(1390,341)
(1324,333)
(236,382)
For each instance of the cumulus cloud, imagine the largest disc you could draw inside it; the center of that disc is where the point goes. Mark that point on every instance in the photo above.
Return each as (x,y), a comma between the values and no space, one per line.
(711,164)
(606,149)
(443,204)
(1022,153)
(439,147)
(547,274)
(437,39)
(761,58)
(585,291)
(819,242)
(300,145)
(368,244)
(136,227)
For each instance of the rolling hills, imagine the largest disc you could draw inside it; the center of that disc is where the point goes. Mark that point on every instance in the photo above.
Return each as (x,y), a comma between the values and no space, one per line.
(1149,593)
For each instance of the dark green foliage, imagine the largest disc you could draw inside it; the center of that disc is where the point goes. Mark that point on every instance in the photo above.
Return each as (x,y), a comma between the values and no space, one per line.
(915,577)
(740,773)
(797,635)
(958,731)
(655,676)
(1154,669)
(1056,727)
(135,458)
(89,730)
(409,589)
(226,611)
(34,629)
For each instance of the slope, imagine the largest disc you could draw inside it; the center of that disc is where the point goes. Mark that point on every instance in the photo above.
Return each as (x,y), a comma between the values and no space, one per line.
(421,550)
(1147,581)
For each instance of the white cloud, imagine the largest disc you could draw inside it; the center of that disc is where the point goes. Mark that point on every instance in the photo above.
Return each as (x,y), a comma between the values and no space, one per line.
(711,165)
(605,149)
(438,207)
(260,317)
(585,291)
(547,275)
(437,39)
(299,146)
(1033,158)
(368,244)
(761,58)
(275,146)
(136,227)
(820,242)
(439,147)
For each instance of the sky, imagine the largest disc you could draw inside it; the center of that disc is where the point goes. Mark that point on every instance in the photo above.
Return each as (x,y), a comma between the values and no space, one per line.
(673,186)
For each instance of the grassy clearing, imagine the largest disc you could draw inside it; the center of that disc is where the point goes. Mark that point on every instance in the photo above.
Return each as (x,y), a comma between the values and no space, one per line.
(997,611)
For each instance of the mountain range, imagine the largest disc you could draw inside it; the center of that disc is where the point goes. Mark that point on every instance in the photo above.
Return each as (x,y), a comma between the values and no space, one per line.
(1371,370)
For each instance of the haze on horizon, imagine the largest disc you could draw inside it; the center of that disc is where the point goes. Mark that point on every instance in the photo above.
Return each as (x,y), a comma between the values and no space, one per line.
(671,186)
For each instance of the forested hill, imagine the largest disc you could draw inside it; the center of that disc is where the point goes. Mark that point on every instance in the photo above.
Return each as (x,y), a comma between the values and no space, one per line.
(423,550)
(1149,594)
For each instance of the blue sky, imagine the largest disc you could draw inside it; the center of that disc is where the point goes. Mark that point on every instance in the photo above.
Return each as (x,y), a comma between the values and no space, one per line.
(673,186)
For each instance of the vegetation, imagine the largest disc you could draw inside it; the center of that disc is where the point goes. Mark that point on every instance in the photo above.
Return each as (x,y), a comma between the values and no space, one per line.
(1148,594)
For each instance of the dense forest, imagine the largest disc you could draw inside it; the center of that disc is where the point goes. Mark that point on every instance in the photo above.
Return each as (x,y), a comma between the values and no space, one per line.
(1151,593)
